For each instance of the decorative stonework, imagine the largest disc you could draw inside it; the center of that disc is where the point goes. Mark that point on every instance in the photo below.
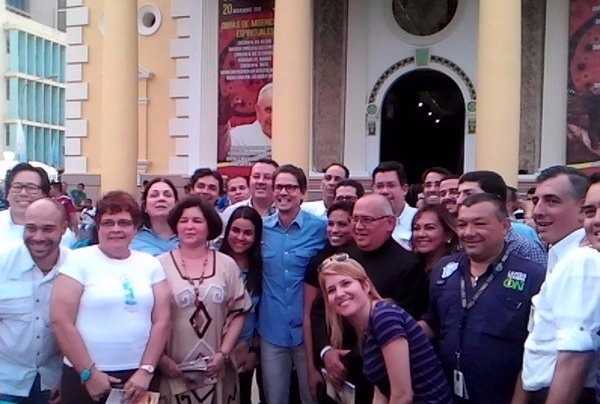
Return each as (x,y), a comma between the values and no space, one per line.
(329,81)
(411,60)
(179,87)
(532,67)
(77,55)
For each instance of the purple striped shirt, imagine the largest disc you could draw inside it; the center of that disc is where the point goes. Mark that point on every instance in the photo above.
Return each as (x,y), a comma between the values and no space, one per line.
(388,323)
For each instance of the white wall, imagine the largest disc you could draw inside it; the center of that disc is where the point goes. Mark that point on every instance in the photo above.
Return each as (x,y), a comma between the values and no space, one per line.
(375,42)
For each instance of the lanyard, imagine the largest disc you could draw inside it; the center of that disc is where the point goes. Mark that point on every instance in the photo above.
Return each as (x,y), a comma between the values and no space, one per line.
(490,278)
(467,305)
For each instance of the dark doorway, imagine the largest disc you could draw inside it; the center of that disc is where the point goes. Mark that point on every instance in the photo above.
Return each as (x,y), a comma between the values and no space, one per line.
(422,123)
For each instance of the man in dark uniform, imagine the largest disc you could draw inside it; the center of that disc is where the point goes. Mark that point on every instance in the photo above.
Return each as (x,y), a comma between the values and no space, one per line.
(479,305)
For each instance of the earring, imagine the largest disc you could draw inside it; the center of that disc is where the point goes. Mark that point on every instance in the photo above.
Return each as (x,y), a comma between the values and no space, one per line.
(448,241)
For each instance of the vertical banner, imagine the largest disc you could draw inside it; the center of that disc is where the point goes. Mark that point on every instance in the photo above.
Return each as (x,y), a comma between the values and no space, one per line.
(583,109)
(245,83)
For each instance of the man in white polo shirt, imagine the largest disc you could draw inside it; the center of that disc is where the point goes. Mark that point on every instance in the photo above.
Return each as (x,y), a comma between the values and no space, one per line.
(29,355)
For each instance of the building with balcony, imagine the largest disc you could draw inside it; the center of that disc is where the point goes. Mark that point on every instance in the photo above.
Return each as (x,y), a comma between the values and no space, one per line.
(32,56)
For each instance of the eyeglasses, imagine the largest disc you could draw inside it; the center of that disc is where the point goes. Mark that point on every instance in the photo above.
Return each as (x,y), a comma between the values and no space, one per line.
(287,187)
(29,187)
(339,257)
(367,220)
(120,223)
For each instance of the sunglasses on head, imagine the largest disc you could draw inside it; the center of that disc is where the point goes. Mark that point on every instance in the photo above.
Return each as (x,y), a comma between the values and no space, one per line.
(339,257)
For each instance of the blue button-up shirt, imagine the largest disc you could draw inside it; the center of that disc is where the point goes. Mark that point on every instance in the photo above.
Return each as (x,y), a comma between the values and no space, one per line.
(146,240)
(27,343)
(286,252)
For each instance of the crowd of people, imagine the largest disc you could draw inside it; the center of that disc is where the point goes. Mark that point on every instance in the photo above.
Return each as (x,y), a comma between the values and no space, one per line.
(457,292)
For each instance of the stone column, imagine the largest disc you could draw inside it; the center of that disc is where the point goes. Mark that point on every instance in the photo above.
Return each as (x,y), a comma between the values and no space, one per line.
(119,134)
(499,88)
(292,78)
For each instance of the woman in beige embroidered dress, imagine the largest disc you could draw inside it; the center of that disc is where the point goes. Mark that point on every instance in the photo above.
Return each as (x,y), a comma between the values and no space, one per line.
(208,307)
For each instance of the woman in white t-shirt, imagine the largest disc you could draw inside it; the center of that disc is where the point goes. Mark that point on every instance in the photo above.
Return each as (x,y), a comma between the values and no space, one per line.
(110,310)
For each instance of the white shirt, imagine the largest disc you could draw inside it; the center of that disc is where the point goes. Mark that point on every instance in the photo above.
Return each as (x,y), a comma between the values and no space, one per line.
(317,208)
(249,135)
(226,214)
(11,232)
(560,249)
(403,230)
(248,144)
(27,343)
(566,317)
(115,309)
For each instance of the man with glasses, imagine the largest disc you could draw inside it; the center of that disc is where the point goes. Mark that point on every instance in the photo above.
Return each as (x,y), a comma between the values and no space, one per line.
(334,173)
(30,357)
(348,190)
(394,272)
(389,180)
(25,184)
(290,239)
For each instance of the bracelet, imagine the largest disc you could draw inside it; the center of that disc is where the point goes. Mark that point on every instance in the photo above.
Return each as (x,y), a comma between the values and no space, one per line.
(226,356)
(86,374)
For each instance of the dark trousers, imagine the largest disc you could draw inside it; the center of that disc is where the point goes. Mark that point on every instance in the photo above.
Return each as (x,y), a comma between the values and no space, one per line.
(587,396)
(246,386)
(73,392)
(36,395)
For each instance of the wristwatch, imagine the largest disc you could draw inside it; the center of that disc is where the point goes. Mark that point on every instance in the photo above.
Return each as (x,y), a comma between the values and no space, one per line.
(148,368)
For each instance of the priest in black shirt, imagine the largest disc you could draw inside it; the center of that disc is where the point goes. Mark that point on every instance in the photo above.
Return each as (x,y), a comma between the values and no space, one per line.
(394,272)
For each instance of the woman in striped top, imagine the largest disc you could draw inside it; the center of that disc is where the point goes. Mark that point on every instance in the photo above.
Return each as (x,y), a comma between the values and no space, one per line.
(397,357)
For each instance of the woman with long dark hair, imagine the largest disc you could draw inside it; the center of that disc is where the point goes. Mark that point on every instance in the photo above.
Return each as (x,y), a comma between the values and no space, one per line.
(242,242)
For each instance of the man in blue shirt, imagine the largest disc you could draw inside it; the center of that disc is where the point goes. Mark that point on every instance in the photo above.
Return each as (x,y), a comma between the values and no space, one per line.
(479,305)
(290,239)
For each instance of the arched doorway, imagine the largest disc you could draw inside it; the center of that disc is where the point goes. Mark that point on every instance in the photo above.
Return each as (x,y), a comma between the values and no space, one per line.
(422,123)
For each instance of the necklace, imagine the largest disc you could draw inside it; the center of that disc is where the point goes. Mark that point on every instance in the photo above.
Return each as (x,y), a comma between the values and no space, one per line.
(194,282)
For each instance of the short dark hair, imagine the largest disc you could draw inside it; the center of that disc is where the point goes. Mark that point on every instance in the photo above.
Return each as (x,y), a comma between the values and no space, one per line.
(267,161)
(81,184)
(489,181)
(44,180)
(145,217)
(494,199)
(346,206)
(512,194)
(439,170)
(578,180)
(297,172)
(116,202)
(594,178)
(395,166)
(346,182)
(233,177)
(255,262)
(213,221)
(343,167)
(450,177)
(207,172)
(57,186)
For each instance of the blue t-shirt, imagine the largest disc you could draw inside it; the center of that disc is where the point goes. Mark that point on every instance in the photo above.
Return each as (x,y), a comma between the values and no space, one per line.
(146,240)
(388,323)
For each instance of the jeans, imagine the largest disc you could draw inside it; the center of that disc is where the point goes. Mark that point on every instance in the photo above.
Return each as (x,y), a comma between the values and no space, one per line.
(36,395)
(277,364)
